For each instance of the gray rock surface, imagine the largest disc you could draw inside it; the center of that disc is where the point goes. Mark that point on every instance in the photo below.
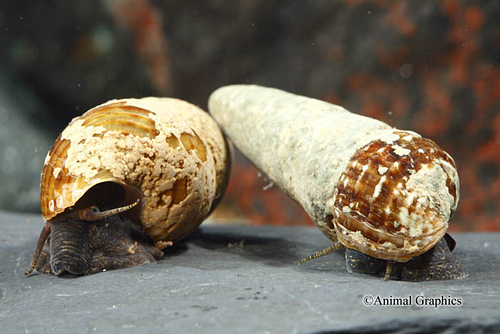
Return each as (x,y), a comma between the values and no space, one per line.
(241,279)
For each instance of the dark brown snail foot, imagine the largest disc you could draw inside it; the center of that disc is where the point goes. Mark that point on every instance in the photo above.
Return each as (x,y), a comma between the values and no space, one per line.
(436,264)
(82,248)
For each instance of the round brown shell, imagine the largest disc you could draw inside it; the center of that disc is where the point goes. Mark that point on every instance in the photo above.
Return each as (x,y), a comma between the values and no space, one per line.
(395,198)
(167,152)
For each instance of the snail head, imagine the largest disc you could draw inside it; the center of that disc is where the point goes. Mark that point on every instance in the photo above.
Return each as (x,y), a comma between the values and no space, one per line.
(87,240)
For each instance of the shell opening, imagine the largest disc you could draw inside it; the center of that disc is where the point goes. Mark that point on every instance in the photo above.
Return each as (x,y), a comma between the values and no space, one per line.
(110,196)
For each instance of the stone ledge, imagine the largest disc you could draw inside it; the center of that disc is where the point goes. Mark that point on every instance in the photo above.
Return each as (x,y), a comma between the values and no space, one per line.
(244,279)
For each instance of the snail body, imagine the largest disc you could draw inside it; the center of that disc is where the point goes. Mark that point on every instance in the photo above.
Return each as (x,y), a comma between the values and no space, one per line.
(384,192)
(156,165)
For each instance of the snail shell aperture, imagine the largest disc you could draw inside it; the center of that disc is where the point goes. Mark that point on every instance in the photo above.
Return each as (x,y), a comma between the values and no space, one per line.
(160,165)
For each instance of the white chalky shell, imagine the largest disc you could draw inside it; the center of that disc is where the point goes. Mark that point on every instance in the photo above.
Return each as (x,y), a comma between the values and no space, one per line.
(306,146)
(167,152)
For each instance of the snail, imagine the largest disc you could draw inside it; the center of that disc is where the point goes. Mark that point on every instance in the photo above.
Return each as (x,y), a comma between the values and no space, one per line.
(125,180)
(383,193)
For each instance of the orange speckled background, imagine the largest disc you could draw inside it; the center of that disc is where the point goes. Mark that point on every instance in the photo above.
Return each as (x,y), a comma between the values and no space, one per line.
(443,84)
(428,66)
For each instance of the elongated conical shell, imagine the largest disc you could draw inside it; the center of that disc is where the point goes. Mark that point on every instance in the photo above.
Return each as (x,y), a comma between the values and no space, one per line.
(165,151)
(386,192)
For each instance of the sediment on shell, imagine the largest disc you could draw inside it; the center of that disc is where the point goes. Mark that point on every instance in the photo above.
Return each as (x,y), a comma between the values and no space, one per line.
(394,199)
(305,146)
(166,152)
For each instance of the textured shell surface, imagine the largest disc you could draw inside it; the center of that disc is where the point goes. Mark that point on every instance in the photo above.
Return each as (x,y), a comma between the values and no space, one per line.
(395,197)
(385,192)
(167,152)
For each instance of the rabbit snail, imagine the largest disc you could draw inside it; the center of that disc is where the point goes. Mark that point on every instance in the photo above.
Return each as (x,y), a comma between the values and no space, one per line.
(125,180)
(385,194)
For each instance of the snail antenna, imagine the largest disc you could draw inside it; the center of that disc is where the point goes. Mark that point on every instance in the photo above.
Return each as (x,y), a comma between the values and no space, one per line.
(92,213)
(39,246)
(330,249)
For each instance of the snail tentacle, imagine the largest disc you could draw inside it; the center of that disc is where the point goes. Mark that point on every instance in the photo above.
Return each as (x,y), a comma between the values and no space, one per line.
(388,269)
(92,213)
(330,249)
(39,246)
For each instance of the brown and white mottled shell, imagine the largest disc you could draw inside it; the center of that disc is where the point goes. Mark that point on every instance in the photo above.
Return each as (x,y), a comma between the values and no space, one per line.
(384,192)
(167,152)
(396,196)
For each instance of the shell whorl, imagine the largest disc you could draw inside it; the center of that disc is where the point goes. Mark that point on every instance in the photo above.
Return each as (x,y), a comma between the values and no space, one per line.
(166,152)
(395,198)
(385,192)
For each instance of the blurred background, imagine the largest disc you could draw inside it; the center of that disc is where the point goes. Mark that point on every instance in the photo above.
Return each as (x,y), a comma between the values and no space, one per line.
(428,66)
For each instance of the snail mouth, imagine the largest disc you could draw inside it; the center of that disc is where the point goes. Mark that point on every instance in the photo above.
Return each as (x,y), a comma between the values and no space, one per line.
(69,247)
